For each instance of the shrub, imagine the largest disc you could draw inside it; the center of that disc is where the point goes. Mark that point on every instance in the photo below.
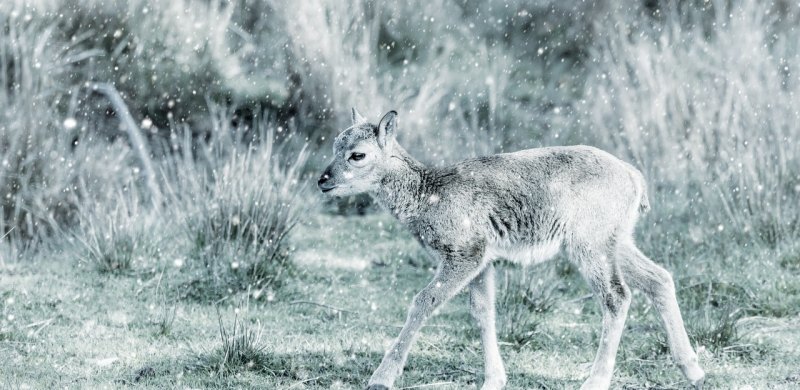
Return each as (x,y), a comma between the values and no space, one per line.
(168,57)
(479,87)
(242,349)
(166,62)
(718,331)
(114,236)
(40,159)
(166,319)
(790,261)
(236,204)
(521,302)
(710,123)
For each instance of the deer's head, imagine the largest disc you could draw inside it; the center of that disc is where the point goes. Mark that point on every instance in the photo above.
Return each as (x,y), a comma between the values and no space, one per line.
(361,156)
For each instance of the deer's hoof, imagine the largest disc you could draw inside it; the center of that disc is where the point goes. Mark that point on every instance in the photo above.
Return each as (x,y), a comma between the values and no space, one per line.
(698,384)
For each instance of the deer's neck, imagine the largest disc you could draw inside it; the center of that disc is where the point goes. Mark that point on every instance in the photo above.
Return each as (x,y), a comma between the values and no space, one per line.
(402,187)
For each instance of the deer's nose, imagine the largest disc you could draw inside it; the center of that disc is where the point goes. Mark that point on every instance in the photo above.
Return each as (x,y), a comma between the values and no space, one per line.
(323,182)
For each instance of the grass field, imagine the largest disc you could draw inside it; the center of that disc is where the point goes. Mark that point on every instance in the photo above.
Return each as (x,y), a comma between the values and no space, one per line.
(65,325)
(159,225)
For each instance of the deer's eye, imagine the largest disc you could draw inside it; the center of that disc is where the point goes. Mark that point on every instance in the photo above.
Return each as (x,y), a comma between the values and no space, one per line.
(357,156)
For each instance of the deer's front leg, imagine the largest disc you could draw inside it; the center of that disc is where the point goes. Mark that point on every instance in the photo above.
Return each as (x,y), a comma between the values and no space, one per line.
(454,274)
(482,308)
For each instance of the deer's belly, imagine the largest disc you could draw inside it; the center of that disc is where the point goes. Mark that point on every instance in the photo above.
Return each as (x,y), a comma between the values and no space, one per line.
(524,253)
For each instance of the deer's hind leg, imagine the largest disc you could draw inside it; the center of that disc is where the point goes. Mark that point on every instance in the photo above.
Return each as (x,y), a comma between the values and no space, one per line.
(655,282)
(598,266)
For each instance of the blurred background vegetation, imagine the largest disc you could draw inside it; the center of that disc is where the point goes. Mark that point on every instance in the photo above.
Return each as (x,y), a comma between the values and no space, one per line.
(117,116)
(138,133)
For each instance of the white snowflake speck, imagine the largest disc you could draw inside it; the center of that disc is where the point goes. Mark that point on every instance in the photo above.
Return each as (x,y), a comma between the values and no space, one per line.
(70,123)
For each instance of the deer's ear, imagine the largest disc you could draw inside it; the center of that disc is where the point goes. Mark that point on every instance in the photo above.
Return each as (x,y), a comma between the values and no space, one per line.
(357,117)
(386,128)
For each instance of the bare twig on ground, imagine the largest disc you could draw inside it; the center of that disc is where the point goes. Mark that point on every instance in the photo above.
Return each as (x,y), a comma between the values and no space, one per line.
(580,298)
(427,385)
(305,381)
(322,305)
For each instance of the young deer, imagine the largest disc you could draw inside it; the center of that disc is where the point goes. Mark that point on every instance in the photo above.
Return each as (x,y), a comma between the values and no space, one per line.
(524,207)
